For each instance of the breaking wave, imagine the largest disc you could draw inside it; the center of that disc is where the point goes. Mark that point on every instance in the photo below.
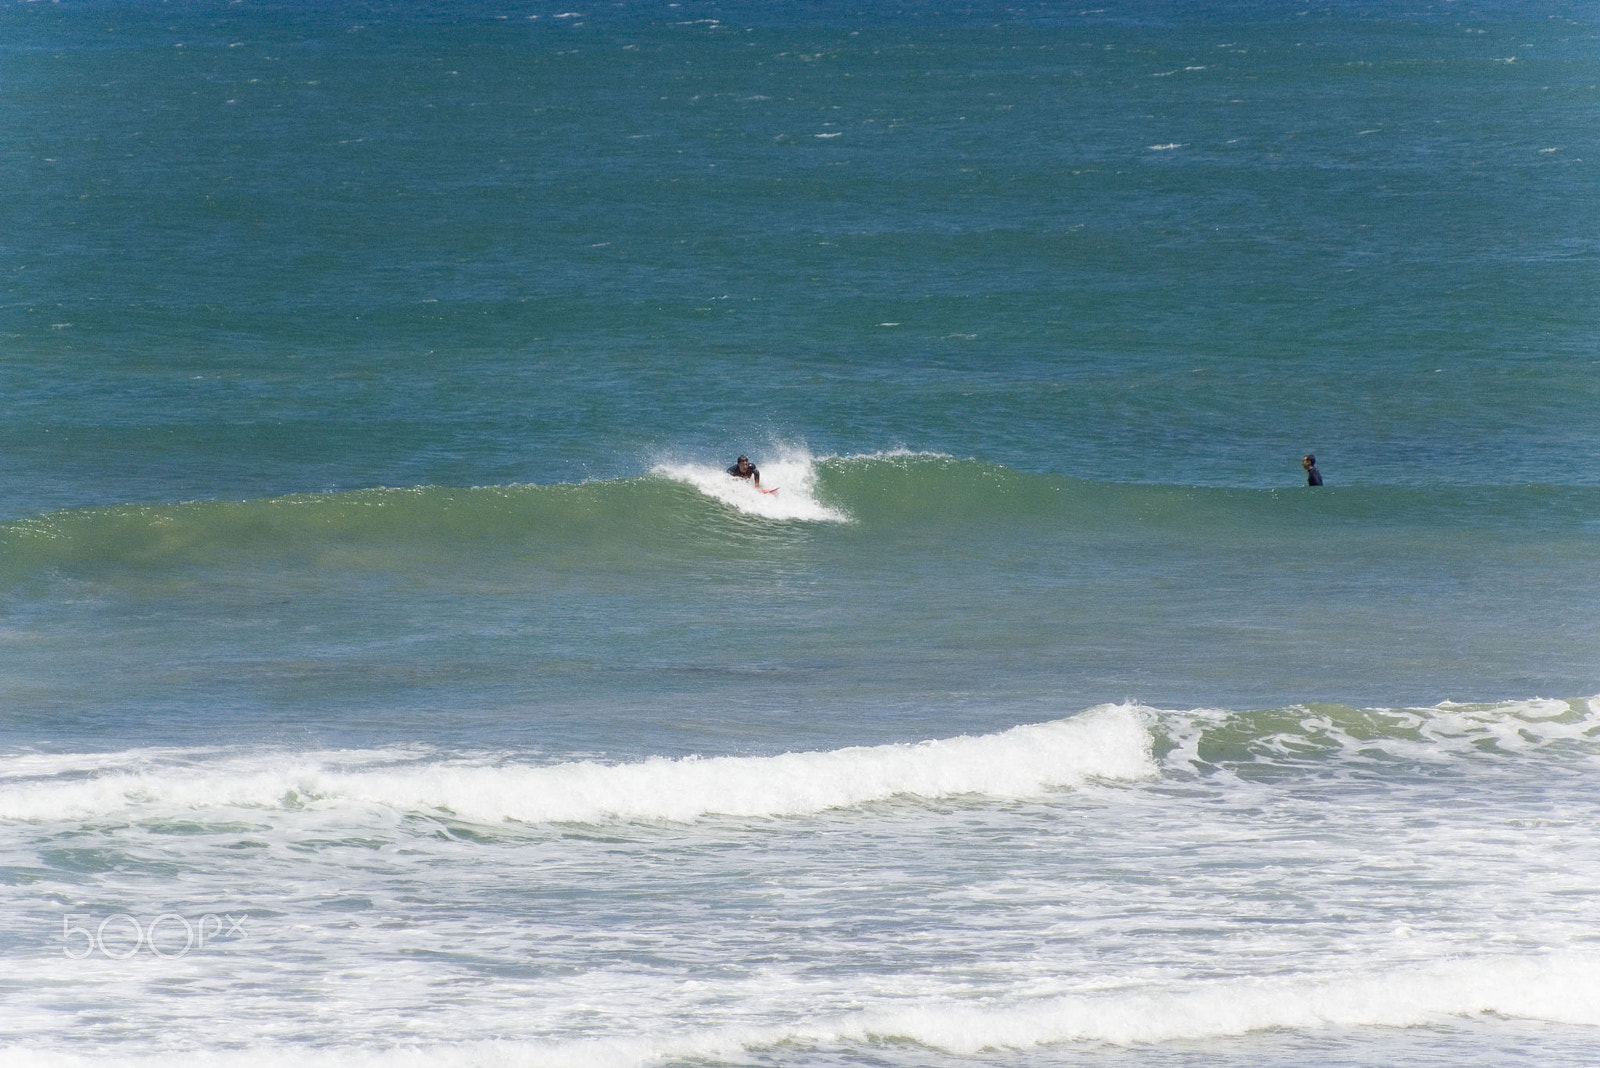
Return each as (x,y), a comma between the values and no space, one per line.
(1111,742)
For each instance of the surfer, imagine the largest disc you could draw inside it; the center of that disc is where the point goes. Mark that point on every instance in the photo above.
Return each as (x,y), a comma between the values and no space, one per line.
(1313,476)
(745,469)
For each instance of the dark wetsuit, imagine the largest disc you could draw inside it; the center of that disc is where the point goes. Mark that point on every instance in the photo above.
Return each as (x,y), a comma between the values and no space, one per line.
(1313,476)
(752,474)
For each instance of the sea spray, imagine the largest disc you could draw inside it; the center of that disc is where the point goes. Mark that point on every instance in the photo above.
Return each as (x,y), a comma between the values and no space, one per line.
(787,491)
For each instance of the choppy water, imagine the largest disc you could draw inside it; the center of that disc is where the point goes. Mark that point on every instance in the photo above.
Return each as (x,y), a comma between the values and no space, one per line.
(389,673)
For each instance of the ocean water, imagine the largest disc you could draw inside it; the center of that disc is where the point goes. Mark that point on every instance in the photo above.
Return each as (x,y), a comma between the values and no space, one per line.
(389,673)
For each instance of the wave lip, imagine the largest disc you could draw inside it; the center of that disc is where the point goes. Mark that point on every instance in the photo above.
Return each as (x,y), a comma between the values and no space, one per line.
(1109,742)
(1025,761)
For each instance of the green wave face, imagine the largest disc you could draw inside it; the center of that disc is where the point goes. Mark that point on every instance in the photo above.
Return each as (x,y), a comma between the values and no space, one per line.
(379,528)
(886,497)
(910,582)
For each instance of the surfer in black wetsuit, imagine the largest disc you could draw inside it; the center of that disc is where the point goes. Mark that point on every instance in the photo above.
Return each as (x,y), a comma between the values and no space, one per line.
(745,469)
(1313,476)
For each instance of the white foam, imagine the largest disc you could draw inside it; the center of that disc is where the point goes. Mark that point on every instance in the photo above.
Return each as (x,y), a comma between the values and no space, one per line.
(792,473)
(1110,742)
(1559,989)
(1445,733)
(899,453)
(1562,989)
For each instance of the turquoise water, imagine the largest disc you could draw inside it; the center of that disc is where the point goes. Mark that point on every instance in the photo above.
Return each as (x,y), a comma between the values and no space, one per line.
(936,591)
(389,671)
(269,251)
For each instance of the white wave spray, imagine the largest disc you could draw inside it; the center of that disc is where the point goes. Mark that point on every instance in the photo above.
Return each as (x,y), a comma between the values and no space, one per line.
(790,480)
(1110,742)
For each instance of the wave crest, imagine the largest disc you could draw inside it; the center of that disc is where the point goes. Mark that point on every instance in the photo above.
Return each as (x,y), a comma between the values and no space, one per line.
(790,482)
(1110,742)
(1202,740)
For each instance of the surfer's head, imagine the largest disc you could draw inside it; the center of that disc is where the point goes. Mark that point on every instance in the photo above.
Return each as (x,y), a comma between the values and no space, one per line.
(1308,460)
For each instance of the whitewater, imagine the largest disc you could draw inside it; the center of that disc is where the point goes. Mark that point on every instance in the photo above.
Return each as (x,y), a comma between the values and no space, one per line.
(468,882)
(1021,762)
(792,474)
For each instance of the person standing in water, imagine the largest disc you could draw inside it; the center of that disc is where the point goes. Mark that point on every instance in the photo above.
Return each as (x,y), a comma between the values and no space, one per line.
(745,469)
(1313,476)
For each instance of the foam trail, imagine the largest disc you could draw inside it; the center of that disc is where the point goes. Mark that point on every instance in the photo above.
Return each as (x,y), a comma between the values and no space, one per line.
(793,475)
(1109,742)
(1558,989)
